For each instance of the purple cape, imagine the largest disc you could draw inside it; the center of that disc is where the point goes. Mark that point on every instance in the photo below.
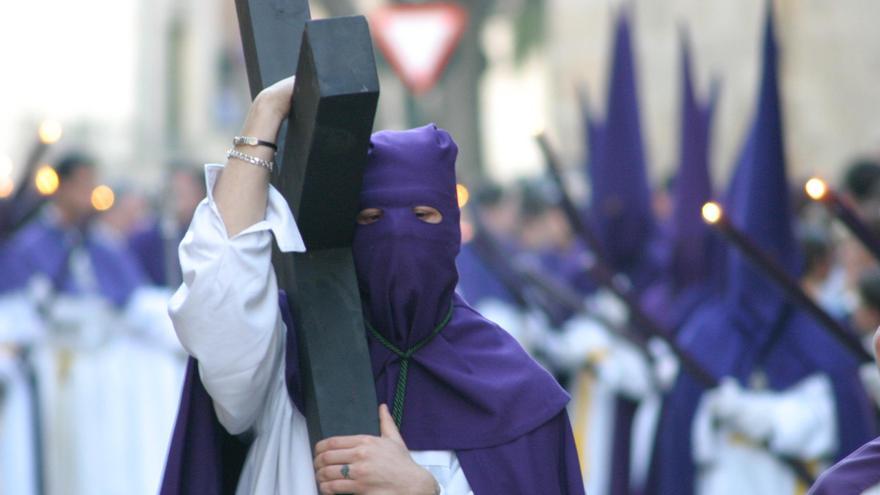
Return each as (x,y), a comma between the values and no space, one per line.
(471,388)
(853,475)
(205,459)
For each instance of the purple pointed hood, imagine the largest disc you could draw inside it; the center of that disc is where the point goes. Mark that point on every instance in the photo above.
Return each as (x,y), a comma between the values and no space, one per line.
(594,133)
(691,238)
(750,331)
(406,270)
(405,266)
(758,199)
(621,198)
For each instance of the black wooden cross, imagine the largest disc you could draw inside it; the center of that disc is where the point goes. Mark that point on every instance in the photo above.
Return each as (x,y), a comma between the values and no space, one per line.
(319,169)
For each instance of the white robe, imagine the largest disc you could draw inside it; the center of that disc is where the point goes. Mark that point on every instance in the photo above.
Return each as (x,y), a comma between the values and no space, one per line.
(802,422)
(226,315)
(615,368)
(108,386)
(19,326)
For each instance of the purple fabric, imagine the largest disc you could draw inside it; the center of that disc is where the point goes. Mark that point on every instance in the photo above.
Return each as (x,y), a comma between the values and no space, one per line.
(853,475)
(406,270)
(475,372)
(721,339)
(751,327)
(472,389)
(476,281)
(44,248)
(204,458)
(13,273)
(621,199)
(148,246)
(624,414)
(542,461)
(405,266)
(690,252)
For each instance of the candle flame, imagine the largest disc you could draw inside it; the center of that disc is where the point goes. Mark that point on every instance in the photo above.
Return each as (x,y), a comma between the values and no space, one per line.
(816,189)
(103,198)
(712,212)
(46,180)
(50,131)
(463,194)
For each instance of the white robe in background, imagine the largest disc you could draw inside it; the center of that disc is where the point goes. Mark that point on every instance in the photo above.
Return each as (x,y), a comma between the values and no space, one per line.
(226,315)
(802,425)
(603,367)
(19,327)
(109,383)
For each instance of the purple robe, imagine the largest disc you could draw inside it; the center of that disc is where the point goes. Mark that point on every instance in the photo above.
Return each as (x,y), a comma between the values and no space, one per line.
(44,248)
(530,458)
(471,388)
(150,247)
(853,475)
(751,329)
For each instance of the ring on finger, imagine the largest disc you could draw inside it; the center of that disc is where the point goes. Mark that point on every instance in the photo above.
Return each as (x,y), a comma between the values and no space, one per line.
(345,471)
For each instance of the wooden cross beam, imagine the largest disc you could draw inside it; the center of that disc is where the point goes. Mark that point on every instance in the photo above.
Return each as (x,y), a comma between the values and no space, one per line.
(319,170)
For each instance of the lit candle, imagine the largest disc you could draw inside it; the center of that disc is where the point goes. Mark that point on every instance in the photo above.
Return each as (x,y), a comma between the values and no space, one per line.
(819,191)
(713,215)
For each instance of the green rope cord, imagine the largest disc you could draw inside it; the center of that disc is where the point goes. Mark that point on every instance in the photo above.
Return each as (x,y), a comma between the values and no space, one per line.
(400,390)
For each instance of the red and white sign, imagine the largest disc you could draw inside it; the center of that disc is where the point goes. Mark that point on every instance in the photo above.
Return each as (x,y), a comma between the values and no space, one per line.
(419,39)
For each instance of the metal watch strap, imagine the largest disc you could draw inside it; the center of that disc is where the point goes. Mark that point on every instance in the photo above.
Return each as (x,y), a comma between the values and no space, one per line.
(252,141)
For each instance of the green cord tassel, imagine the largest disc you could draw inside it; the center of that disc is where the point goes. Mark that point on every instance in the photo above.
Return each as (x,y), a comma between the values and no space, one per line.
(400,390)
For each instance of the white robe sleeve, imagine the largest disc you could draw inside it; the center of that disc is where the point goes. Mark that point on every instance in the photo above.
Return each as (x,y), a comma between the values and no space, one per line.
(445,468)
(226,311)
(799,422)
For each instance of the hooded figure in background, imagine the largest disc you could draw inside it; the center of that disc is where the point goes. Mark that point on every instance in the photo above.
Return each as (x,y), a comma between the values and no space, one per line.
(461,389)
(773,358)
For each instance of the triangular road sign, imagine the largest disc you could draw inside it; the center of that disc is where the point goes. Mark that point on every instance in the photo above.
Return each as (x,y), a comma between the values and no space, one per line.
(419,39)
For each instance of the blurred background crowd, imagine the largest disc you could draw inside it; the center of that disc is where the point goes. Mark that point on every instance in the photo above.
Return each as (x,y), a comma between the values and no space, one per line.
(592,134)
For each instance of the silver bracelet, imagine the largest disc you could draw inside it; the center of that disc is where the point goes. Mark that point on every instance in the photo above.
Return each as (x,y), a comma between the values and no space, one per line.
(253,160)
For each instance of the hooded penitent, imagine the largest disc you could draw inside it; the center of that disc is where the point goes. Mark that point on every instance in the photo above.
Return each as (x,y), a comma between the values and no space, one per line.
(751,332)
(456,381)
(690,253)
(620,202)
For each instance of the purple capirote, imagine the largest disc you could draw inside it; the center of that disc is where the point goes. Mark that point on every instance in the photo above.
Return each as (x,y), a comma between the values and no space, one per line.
(472,389)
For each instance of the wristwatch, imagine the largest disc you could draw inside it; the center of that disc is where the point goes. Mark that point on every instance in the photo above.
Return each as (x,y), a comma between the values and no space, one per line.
(252,141)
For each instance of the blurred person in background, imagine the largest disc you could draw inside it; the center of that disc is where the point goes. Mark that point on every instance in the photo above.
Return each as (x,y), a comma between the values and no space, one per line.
(128,211)
(610,378)
(85,288)
(859,472)
(155,243)
(481,280)
(861,184)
